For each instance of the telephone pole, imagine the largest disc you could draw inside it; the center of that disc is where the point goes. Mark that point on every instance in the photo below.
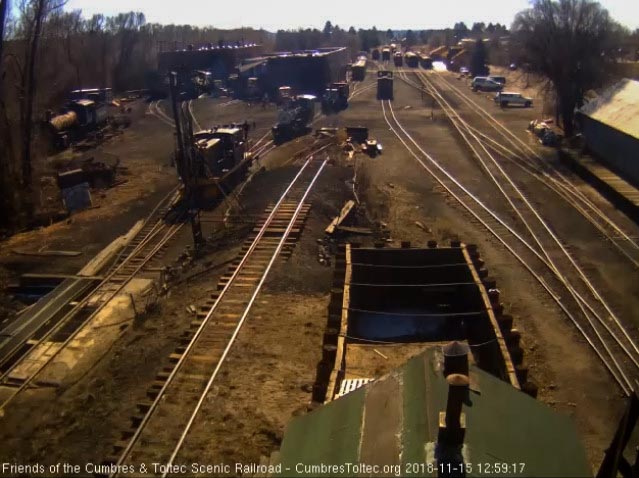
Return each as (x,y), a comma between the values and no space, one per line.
(185,161)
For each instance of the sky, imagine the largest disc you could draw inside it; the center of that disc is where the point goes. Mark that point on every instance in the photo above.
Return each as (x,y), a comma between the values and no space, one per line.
(291,14)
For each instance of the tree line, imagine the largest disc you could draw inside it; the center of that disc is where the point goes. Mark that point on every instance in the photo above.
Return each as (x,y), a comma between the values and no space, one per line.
(364,39)
(46,51)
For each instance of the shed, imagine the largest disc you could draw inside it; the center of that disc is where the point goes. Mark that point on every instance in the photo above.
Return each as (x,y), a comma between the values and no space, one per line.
(610,125)
(394,421)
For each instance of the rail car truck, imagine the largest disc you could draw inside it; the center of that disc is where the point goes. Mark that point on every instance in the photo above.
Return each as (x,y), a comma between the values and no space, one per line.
(359,70)
(384,85)
(293,118)
(398,59)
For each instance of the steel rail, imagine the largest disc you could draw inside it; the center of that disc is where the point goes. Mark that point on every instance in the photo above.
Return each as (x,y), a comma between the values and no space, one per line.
(596,294)
(276,253)
(561,180)
(136,435)
(541,176)
(154,109)
(170,233)
(192,113)
(615,371)
(581,301)
(578,297)
(560,188)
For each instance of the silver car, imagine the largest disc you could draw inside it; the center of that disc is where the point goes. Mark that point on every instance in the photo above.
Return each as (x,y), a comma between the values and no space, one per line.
(506,98)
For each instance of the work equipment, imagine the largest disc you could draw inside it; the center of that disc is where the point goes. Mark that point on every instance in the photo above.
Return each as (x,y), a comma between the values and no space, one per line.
(293,118)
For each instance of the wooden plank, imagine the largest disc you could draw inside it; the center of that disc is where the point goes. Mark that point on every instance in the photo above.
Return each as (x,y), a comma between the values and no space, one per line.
(510,368)
(356,230)
(341,339)
(49,253)
(342,215)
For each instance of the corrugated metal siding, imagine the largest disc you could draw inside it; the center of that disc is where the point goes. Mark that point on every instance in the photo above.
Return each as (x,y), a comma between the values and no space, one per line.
(617,150)
(395,421)
(618,107)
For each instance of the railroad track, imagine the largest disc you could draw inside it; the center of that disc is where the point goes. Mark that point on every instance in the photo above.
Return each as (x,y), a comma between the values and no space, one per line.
(146,246)
(161,429)
(535,246)
(155,110)
(362,89)
(510,147)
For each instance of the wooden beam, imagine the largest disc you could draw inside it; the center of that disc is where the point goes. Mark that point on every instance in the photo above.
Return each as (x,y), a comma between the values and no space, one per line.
(342,215)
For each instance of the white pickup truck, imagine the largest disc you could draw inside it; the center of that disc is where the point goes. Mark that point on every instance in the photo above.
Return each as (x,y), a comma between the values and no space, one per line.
(504,98)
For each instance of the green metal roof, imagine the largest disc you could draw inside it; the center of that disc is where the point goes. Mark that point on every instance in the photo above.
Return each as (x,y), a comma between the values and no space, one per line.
(395,421)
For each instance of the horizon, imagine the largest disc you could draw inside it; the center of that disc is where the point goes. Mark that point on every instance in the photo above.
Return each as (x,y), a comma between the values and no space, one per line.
(287,15)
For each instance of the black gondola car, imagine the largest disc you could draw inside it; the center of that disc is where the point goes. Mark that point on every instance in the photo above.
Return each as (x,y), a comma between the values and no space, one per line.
(359,70)
(398,59)
(386,54)
(426,62)
(412,60)
(375,54)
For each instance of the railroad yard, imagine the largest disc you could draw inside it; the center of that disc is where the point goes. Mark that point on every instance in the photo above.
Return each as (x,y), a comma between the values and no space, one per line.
(165,352)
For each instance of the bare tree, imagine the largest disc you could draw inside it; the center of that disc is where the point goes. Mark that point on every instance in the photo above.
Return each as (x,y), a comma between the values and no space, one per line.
(71,26)
(6,204)
(568,42)
(126,27)
(35,12)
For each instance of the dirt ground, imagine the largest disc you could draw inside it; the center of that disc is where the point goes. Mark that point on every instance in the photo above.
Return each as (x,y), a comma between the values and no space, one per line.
(269,374)
(399,192)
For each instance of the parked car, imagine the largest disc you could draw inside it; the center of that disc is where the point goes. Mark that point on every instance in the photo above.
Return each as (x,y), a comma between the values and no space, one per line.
(483,83)
(499,79)
(506,98)
(513,66)
(463,71)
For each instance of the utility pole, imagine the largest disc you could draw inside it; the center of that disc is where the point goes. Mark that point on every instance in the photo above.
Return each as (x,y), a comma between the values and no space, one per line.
(179,160)
(185,162)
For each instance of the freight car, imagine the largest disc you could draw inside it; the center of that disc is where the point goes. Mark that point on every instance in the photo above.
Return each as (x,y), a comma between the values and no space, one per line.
(384,85)
(375,54)
(359,70)
(293,118)
(426,62)
(398,59)
(412,60)
(386,54)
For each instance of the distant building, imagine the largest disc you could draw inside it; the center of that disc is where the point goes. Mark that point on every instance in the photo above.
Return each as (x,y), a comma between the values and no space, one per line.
(610,125)
(219,60)
(308,71)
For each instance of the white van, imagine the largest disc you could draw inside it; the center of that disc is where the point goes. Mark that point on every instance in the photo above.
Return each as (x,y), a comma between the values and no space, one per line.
(505,98)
